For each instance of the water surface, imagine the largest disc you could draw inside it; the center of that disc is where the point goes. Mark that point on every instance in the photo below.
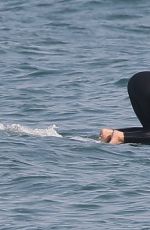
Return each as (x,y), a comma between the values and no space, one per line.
(64,71)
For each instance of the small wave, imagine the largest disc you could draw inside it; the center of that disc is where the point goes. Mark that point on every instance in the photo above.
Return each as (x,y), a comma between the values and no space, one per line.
(20,129)
(122,82)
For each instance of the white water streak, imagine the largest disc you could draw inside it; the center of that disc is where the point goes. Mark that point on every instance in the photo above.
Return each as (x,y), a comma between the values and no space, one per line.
(84,139)
(47,132)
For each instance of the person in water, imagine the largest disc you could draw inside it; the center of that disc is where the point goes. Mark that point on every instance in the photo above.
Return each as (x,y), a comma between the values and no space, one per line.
(139,94)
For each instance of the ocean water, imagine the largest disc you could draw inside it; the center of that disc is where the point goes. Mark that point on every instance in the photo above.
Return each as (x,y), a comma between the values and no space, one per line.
(64,69)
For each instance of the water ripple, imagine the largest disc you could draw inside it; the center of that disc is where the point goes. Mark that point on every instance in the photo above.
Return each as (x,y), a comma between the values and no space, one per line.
(68,63)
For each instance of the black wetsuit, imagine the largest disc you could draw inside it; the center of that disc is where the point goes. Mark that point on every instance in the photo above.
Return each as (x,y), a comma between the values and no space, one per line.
(139,93)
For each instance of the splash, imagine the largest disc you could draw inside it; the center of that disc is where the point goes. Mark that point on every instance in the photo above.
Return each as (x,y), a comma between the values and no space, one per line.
(20,129)
(50,131)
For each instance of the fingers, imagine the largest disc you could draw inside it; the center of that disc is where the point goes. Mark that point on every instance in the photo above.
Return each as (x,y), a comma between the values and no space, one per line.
(105,135)
(117,137)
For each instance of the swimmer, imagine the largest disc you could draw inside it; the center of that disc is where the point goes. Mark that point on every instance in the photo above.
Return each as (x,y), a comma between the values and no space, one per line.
(139,94)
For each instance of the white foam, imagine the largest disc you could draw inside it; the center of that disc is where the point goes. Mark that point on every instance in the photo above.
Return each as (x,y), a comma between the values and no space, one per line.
(2,127)
(20,129)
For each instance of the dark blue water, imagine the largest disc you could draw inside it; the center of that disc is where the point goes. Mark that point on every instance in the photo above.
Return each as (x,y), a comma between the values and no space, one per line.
(67,64)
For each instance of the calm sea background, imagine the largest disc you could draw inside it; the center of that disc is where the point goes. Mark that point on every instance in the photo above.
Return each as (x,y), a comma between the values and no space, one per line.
(64,69)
